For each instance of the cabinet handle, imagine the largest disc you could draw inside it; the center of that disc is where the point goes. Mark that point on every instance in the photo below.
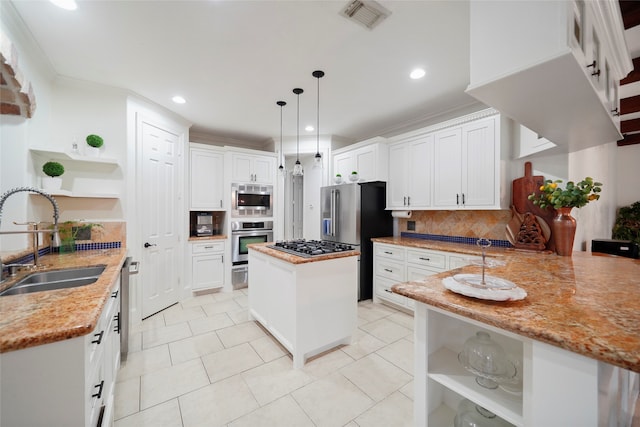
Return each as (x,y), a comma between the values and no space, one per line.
(615,112)
(208,247)
(463,198)
(457,199)
(220,202)
(116,327)
(100,386)
(404,201)
(425,259)
(593,64)
(115,294)
(98,340)
(388,253)
(222,259)
(387,270)
(387,290)
(408,200)
(596,73)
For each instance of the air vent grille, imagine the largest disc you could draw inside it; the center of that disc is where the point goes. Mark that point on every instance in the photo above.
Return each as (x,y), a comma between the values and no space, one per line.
(365,12)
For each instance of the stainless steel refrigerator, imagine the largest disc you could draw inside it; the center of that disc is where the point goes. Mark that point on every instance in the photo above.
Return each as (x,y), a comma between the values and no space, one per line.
(353,214)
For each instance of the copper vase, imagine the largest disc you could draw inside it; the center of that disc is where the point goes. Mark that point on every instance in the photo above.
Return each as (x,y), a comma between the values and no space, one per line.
(564,230)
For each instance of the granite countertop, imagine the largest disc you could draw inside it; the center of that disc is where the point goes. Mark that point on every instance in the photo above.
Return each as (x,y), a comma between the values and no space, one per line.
(207,238)
(295,259)
(588,303)
(28,320)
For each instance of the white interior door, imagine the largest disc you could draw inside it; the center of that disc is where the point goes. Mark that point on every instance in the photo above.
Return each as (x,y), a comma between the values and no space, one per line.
(159,218)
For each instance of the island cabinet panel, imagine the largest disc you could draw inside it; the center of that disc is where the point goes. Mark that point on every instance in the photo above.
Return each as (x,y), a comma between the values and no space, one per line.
(309,307)
(559,387)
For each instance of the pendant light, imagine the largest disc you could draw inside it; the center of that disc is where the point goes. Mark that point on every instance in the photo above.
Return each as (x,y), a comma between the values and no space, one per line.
(297,168)
(317,159)
(281,168)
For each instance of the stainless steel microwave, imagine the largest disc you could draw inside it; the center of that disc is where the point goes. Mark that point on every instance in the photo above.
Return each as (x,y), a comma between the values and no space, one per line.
(251,200)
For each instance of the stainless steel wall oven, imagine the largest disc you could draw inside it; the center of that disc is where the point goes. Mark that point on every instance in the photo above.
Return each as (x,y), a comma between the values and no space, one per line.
(244,233)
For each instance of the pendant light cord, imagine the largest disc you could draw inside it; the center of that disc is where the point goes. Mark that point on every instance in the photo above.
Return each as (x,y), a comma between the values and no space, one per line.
(318,74)
(298,91)
(281,104)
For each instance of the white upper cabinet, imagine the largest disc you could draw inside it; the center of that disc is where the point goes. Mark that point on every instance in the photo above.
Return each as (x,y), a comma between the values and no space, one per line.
(410,172)
(453,165)
(467,166)
(528,143)
(368,158)
(448,169)
(553,66)
(252,168)
(207,178)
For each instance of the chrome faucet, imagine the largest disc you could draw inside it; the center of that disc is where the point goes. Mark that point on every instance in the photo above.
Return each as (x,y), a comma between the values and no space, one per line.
(55,236)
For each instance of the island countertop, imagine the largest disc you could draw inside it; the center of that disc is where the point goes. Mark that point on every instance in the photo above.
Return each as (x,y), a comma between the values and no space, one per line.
(295,259)
(28,320)
(588,303)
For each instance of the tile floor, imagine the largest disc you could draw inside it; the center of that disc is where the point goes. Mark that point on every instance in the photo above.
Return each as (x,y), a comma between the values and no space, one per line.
(202,363)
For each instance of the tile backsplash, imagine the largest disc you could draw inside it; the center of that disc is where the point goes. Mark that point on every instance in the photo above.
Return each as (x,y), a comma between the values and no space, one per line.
(487,224)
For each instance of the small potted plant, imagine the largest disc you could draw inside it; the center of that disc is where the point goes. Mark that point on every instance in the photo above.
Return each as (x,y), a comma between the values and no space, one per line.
(354,176)
(94,142)
(338,179)
(53,170)
(73,231)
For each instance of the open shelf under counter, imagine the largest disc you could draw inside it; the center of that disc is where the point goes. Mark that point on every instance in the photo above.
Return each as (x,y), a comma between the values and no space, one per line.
(445,369)
(77,157)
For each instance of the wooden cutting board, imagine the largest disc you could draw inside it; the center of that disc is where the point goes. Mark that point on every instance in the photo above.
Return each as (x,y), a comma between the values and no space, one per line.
(524,186)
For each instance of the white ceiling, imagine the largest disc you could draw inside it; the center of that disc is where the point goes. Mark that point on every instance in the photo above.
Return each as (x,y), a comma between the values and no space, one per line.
(232,60)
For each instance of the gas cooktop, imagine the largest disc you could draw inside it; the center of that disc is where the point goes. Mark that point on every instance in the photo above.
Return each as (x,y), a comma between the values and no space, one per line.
(310,248)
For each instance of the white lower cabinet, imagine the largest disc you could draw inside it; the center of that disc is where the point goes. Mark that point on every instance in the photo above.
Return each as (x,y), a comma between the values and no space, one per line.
(207,265)
(396,264)
(65,383)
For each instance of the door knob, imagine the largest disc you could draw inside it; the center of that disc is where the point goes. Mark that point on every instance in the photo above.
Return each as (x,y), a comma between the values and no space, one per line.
(147,244)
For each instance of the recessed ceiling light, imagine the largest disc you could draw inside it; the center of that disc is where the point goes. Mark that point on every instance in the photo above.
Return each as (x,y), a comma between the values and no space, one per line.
(309,128)
(178,99)
(418,73)
(65,4)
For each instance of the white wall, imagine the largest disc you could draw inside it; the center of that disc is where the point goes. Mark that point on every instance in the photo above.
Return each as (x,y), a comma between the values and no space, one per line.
(18,133)
(627,175)
(595,220)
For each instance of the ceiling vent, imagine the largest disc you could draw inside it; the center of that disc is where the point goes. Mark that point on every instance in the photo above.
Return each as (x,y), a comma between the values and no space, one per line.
(365,12)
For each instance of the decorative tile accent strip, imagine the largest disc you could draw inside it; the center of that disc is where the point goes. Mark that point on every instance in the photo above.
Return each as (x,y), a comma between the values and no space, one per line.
(94,246)
(28,259)
(457,239)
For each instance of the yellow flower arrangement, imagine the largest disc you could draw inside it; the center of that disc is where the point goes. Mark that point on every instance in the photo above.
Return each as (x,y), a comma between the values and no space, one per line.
(572,196)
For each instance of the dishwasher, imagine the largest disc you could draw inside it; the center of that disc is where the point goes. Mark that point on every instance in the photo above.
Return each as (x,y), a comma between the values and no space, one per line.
(129,268)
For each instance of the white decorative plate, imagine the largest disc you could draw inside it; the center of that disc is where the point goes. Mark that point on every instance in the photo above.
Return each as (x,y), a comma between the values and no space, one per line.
(513,294)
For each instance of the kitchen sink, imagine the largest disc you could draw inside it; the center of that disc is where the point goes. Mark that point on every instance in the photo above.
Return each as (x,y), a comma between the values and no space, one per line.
(56,279)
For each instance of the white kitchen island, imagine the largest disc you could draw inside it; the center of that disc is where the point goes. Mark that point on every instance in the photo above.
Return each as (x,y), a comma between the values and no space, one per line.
(308,304)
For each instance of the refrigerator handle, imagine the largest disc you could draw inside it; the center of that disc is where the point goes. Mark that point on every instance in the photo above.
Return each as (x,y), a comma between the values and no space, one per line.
(335,197)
